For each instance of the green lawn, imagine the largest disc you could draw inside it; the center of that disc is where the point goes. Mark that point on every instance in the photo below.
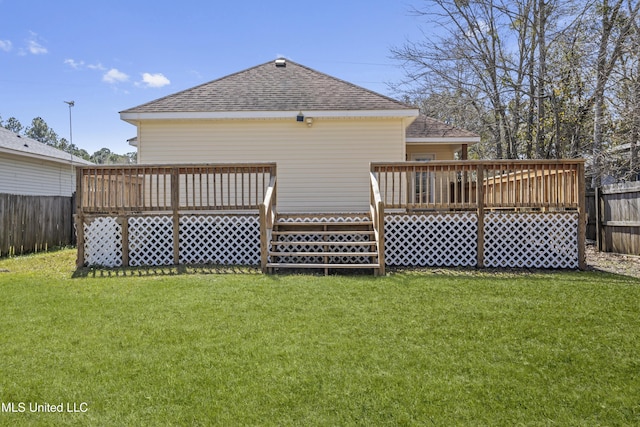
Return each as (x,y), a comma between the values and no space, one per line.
(454,347)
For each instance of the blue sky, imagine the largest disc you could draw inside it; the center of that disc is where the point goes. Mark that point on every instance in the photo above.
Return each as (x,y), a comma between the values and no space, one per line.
(108,56)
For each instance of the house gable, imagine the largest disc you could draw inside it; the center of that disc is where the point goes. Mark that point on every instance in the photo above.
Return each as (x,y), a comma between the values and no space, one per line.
(275,91)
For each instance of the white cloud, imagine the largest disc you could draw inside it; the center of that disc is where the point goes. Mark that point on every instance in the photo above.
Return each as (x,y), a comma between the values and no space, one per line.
(81,65)
(154,80)
(74,64)
(34,47)
(97,66)
(6,45)
(115,76)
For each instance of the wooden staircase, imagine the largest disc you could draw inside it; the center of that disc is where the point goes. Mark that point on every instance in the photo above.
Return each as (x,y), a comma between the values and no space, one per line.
(323,242)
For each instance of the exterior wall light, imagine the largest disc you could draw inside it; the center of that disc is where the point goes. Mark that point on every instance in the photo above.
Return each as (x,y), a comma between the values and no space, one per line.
(300,117)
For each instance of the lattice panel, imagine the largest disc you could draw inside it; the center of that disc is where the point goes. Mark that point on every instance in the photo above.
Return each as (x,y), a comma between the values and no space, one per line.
(103,242)
(150,240)
(217,239)
(534,240)
(431,240)
(320,243)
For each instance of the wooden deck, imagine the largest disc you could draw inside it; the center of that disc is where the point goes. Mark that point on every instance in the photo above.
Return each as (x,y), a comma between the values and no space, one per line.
(420,213)
(485,187)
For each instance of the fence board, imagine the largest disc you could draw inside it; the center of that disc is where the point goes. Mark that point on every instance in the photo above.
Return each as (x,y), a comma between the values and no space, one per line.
(34,223)
(590,204)
(618,217)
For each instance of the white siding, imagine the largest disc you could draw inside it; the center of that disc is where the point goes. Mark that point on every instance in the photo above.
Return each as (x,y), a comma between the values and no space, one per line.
(322,168)
(35,177)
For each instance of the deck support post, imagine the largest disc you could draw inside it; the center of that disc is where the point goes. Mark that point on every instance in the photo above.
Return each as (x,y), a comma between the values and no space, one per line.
(381,260)
(175,205)
(582,218)
(480,210)
(264,243)
(79,219)
(124,223)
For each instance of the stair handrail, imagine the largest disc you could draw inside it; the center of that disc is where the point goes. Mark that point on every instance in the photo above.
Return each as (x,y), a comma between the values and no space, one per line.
(376,207)
(268,214)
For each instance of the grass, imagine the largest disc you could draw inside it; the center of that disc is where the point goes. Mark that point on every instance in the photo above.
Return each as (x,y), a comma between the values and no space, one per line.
(455,347)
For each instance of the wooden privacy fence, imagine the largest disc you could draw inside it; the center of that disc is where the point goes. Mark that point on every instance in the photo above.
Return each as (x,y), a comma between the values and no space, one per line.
(614,211)
(34,223)
(507,205)
(168,206)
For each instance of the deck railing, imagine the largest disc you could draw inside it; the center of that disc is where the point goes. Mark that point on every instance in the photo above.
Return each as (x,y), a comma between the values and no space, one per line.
(480,186)
(376,209)
(456,185)
(139,188)
(268,215)
(168,190)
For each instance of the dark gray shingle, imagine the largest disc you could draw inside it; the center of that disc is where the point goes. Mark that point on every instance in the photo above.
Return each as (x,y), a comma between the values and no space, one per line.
(269,88)
(23,145)
(427,127)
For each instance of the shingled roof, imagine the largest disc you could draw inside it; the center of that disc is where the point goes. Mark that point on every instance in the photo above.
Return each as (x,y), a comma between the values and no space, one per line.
(272,87)
(424,127)
(24,146)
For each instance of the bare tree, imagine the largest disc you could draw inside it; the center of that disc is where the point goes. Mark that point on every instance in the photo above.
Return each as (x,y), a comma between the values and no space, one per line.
(536,72)
(495,50)
(625,102)
(468,58)
(613,28)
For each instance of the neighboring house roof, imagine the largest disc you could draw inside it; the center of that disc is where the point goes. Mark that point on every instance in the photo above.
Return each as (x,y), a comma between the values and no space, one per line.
(427,129)
(21,145)
(271,90)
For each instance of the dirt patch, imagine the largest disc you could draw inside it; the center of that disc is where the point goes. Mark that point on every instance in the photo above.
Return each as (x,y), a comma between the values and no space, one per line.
(628,265)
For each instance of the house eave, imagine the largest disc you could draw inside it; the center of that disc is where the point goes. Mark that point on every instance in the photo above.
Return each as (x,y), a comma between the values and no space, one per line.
(20,153)
(133,117)
(444,140)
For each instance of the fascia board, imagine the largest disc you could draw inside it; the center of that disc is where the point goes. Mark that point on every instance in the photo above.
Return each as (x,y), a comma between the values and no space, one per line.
(220,115)
(20,153)
(444,140)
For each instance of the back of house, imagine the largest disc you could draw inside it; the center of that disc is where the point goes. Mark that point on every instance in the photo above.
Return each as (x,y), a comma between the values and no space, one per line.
(322,132)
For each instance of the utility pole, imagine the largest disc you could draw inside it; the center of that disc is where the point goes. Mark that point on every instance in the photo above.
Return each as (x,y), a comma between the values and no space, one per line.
(71,104)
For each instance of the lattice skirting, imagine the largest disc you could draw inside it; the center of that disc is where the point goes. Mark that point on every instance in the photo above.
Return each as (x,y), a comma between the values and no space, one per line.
(319,243)
(431,239)
(218,239)
(103,242)
(534,240)
(150,240)
(203,239)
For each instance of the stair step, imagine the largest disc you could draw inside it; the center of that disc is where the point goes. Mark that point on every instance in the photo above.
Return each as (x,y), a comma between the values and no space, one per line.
(323,254)
(323,233)
(323,223)
(323,243)
(294,265)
